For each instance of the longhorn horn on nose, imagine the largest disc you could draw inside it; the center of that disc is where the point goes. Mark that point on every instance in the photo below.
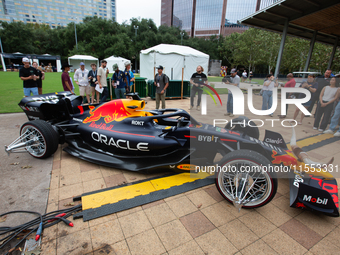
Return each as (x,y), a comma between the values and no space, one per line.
(303,156)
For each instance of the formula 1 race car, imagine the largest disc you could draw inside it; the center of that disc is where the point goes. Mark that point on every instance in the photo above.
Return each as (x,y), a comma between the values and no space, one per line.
(121,134)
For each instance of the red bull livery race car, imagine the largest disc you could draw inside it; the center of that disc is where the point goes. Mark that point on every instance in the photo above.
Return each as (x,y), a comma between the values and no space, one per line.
(121,134)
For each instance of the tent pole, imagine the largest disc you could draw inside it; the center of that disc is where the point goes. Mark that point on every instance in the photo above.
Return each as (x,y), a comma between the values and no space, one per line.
(110,89)
(182,83)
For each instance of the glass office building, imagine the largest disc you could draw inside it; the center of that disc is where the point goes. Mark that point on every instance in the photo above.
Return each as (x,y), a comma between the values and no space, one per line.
(209,17)
(55,12)
(182,13)
(238,9)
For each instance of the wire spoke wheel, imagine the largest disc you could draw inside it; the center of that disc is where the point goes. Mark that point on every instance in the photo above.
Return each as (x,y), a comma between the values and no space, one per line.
(40,138)
(242,181)
(37,146)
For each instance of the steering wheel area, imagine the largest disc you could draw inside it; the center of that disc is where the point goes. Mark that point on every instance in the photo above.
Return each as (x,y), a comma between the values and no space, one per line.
(173,117)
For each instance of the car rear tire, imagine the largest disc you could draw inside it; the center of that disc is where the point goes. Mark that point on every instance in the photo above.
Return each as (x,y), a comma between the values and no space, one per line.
(230,178)
(251,130)
(45,139)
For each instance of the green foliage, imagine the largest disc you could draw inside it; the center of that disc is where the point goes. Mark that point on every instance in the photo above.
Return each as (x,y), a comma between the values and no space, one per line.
(257,49)
(254,49)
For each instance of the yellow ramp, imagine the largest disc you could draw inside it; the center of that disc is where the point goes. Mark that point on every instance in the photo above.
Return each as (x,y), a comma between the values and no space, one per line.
(144,188)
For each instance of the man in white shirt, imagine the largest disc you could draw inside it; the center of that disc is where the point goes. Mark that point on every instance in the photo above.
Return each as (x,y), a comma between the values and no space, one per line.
(81,78)
(244,76)
(101,77)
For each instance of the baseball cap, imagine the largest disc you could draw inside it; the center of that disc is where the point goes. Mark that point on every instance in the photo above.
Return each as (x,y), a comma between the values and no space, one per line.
(127,63)
(115,67)
(25,59)
(159,67)
(233,70)
(81,64)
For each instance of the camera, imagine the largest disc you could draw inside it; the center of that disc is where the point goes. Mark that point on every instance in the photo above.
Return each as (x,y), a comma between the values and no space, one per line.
(226,78)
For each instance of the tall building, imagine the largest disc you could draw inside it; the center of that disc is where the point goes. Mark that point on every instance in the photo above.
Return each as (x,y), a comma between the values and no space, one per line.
(55,13)
(209,17)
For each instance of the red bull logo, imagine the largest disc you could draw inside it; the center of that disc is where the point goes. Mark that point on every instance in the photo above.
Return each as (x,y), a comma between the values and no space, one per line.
(111,111)
(286,159)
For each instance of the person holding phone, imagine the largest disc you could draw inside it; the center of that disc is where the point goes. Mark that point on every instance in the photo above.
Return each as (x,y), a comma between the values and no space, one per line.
(267,92)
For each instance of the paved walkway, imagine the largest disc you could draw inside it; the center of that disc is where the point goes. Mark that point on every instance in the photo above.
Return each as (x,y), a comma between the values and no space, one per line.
(24,180)
(196,222)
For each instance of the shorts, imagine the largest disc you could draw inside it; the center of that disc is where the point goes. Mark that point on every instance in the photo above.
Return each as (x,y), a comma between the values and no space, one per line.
(84,89)
(93,85)
(27,91)
(307,104)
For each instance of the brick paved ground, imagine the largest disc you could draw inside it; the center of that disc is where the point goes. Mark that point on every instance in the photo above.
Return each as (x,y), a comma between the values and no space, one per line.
(196,222)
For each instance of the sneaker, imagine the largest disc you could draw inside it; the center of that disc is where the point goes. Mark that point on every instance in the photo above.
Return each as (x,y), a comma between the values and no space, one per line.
(191,107)
(328,131)
(282,116)
(271,115)
(231,115)
(227,114)
(198,108)
(337,133)
(321,130)
(315,128)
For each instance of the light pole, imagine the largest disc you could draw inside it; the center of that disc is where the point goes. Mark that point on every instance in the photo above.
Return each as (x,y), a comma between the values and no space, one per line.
(136,28)
(182,34)
(75,31)
(2,51)
(75,34)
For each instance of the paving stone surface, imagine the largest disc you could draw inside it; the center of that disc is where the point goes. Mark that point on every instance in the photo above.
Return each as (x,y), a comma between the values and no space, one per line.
(196,222)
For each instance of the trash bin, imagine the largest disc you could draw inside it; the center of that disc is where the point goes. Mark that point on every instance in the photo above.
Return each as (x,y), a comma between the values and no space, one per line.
(140,86)
(173,91)
(151,89)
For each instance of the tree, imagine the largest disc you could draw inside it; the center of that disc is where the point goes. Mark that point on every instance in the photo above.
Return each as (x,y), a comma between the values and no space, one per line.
(102,38)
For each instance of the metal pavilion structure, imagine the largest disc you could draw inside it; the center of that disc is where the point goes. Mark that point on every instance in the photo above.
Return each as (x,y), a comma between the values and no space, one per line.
(315,20)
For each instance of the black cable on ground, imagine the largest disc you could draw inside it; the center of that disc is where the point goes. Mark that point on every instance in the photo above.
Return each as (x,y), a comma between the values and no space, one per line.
(37,224)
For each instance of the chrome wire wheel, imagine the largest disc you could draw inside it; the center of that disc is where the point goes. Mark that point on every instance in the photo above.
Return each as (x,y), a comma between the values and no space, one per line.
(37,142)
(241,179)
(39,138)
(251,188)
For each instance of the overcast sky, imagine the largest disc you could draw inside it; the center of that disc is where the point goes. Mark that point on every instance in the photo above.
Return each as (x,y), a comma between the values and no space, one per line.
(149,9)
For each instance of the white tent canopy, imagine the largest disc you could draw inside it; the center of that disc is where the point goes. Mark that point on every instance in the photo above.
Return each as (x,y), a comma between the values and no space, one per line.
(115,60)
(173,58)
(88,60)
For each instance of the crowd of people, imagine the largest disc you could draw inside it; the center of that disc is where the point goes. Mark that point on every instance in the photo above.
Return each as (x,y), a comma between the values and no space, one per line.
(93,85)
(325,94)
